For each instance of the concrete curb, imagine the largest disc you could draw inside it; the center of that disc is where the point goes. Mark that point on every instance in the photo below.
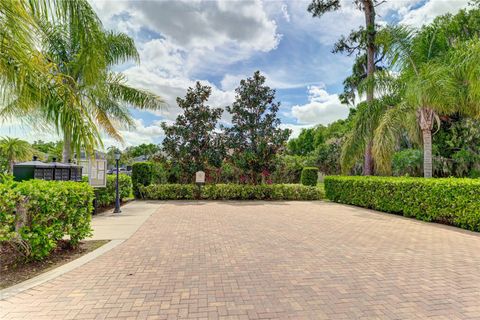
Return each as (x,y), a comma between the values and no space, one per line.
(47,276)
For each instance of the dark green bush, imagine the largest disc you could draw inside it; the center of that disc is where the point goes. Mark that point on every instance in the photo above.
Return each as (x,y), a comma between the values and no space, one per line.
(53,210)
(309,176)
(407,162)
(232,192)
(142,175)
(159,173)
(453,201)
(106,196)
(147,173)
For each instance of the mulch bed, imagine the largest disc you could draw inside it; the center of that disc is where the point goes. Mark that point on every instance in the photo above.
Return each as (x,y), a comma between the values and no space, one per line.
(14,269)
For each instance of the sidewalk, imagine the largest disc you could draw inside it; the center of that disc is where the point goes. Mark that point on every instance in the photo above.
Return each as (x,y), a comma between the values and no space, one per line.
(121,226)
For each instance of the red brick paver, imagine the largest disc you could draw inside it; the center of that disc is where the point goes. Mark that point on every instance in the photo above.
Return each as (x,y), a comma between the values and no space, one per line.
(258,260)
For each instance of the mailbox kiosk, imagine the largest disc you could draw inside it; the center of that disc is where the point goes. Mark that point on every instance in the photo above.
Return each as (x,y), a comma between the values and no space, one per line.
(34,169)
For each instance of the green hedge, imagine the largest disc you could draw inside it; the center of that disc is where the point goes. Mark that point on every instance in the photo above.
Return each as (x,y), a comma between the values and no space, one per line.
(141,176)
(450,200)
(231,192)
(147,173)
(53,210)
(106,196)
(309,176)
(168,191)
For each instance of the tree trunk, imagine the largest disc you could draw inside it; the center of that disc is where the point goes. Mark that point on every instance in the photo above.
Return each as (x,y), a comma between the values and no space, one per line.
(368,163)
(426,117)
(427,153)
(369,10)
(67,147)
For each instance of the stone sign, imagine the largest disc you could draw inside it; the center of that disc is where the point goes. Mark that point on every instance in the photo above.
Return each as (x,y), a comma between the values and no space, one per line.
(200,177)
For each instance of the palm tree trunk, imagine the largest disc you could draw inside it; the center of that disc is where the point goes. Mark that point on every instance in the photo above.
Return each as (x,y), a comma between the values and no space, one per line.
(426,118)
(427,153)
(369,10)
(368,160)
(67,146)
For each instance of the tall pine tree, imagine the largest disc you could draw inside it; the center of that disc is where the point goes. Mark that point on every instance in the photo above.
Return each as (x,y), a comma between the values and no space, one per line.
(318,8)
(191,142)
(255,138)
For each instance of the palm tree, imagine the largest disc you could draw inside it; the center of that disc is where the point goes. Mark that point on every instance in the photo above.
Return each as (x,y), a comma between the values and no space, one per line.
(26,76)
(104,95)
(435,83)
(78,94)
(13,150)
(366,120)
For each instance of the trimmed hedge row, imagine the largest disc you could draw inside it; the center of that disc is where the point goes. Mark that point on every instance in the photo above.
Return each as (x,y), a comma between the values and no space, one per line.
(450,200)
(106,196)
(36,214)
(231,192)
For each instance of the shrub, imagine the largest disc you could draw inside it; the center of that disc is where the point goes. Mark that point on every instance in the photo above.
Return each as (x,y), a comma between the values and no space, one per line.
(159,173)
(408,162)
(309,176)
(232,192)
(106,196)
(52,210)
(168,191)
(288,168)
(146,173)
(453,201)
(142,173)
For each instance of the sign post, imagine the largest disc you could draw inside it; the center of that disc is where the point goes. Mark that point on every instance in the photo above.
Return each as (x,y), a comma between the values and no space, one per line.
(96,171)
(200,181)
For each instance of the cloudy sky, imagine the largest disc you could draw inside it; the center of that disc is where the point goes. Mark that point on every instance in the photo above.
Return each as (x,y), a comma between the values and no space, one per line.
(221,42)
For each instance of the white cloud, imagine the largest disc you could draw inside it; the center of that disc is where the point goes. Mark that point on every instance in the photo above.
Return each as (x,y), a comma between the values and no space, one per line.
(285,13)
(426,13)
(14,127)
(322,108)
(230,81)
(140,134)
(218,32)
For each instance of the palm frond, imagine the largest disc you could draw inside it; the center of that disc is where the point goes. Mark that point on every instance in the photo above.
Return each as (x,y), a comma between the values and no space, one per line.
(393,124)
(141,99)
(120,48)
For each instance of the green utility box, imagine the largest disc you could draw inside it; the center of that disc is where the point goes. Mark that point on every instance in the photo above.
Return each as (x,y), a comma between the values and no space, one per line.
(36,169)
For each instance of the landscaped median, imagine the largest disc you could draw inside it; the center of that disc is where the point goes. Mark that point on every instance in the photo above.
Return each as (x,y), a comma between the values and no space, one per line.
(230,192)
(448,200)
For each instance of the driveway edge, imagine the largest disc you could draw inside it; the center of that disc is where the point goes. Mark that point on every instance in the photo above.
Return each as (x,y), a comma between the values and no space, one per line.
(49,275)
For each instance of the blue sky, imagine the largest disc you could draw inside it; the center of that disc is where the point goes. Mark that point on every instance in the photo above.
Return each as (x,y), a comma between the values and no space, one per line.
(221,42)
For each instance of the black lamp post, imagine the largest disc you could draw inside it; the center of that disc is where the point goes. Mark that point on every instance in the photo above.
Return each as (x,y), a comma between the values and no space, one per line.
(117,196)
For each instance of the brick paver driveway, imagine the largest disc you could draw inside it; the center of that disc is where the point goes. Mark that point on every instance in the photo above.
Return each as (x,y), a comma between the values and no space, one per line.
(258,260)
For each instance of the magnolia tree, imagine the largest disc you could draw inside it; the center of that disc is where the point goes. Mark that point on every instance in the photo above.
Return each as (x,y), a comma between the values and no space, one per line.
(191,142)
(255,137)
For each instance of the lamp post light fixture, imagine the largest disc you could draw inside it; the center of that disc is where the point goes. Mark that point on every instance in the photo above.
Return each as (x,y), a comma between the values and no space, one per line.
(117,196)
